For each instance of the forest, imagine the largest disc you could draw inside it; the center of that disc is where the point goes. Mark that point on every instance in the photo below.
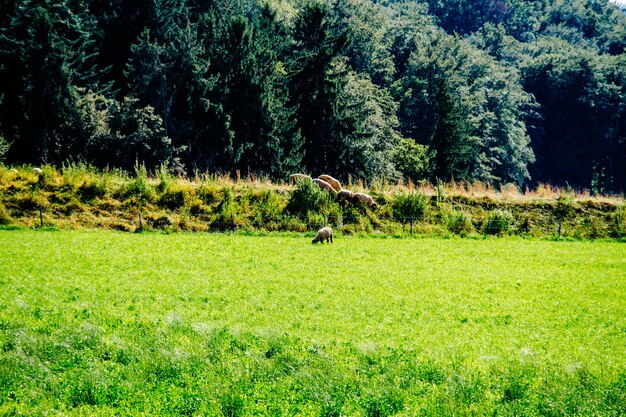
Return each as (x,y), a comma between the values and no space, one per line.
(497,91)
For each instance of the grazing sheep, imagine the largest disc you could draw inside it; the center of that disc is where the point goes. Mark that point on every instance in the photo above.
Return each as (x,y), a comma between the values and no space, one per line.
(324,234)
(345,195)
(333,182)
(364,199)
(294,178)
(325,186)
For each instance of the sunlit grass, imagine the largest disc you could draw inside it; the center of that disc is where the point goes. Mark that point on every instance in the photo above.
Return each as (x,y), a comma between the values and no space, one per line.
(107,323)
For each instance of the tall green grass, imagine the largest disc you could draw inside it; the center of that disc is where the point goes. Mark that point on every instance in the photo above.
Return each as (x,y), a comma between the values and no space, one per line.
(79,196)
(108,323)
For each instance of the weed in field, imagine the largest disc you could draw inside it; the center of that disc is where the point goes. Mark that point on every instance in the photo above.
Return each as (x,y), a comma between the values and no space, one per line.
(564,207)
(5,216)
(413,205)
(307,197)
(499,222)
(618,226)
(460,223)
(139,191)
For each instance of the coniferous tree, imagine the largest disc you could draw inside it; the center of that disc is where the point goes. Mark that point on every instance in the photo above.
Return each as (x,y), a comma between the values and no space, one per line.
(169,70)
(252,85)
(46,56)
(317,42)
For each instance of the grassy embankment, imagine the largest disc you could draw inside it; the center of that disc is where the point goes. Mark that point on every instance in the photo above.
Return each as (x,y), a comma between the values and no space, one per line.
(80,197)
(110,323)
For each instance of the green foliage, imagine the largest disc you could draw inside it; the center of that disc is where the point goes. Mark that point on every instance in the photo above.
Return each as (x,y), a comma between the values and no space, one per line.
(413,160)
(564,207)
(307,197)
(140,190)
(510,91)
(619,222)
(5,216)
(414,205)
(460,223)
(81,196)
(499,222)
(4,148)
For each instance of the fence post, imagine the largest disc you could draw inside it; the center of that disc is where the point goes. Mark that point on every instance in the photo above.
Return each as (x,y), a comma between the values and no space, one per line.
(411,219)
(325,222)
(559,228)
(140,223)
(232,223)
(41,214)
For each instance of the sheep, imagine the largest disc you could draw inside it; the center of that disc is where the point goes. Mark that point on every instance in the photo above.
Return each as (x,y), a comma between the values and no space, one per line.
(364,199)
(37,170)
(294,178)
(325,186)
(324,234)
(345,195)
(333,182)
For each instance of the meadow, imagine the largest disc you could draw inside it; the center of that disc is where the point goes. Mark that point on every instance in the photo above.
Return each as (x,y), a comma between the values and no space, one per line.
(106,323)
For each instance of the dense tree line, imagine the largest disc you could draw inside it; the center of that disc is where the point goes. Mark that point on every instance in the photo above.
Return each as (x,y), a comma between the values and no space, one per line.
(501,91)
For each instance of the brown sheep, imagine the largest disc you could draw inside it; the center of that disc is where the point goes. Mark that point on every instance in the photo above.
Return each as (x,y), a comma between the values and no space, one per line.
(364,199)
(324,234)
(325,186)
(294,178)
(346,195)
(333,182)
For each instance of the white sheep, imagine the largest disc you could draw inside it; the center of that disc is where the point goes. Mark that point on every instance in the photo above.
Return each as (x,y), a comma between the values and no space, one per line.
(294,178)
(324,234)
(37,170)
(325,186)
(364,199)
(345,195)
(332,181)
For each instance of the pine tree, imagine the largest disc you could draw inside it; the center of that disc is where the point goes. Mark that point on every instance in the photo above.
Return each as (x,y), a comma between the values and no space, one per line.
(317,42)
(47,57)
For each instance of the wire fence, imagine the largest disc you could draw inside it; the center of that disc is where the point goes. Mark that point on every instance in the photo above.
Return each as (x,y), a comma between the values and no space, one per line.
(587,227)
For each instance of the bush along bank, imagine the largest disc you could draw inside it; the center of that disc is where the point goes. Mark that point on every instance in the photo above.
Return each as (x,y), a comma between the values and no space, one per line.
(78,196)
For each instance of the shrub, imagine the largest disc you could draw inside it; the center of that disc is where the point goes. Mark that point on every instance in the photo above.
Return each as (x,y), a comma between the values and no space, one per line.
(307,197)
(413,160)
(564,207)
(410,205)
(460,223)
(265,204)
(500,222)
(177,195)
(618,228)
(91,190)
(4,147)
(139,189)
(5,217)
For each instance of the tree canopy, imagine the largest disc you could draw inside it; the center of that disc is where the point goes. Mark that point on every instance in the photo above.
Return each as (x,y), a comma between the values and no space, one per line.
(499,91)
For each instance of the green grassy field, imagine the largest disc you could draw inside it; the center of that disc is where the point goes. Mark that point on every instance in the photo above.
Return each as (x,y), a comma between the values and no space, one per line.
(107,323)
